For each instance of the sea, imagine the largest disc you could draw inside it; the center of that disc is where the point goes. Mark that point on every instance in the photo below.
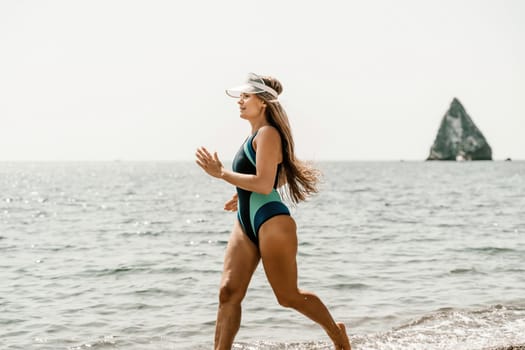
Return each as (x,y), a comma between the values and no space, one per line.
(128,255)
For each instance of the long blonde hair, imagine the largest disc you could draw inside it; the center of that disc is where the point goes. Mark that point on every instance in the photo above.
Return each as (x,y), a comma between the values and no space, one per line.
(300,178)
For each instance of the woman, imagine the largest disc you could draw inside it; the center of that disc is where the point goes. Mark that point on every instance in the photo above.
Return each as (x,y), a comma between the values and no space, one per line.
(264,229)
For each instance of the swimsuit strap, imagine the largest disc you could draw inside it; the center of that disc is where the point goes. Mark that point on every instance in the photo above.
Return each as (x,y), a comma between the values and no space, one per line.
(250,142)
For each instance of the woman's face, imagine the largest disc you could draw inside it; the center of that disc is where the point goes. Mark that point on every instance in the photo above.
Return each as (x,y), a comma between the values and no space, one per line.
(251,106)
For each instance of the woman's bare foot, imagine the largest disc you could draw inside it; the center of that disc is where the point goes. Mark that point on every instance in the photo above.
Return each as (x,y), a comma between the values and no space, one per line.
(344,343)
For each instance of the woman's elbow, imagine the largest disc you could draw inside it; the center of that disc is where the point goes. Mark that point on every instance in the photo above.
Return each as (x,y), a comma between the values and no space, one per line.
(264,185)
(267,191)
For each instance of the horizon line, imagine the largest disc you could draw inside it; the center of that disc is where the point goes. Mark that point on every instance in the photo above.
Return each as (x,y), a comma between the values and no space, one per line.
(229,161)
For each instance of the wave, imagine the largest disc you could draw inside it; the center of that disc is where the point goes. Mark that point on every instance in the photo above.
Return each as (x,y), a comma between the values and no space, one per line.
(498,327)
(492,250)
(470,270)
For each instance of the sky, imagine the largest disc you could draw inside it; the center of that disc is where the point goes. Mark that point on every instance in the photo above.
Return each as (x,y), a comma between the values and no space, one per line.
(363,80)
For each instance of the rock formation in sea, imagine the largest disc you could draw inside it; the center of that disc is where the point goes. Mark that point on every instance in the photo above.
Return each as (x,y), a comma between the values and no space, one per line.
(458,138)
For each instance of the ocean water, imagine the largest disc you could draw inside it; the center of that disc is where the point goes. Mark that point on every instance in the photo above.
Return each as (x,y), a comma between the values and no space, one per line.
(128,255)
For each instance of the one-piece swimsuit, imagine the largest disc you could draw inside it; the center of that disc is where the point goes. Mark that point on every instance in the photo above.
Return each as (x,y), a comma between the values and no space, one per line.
(253,208)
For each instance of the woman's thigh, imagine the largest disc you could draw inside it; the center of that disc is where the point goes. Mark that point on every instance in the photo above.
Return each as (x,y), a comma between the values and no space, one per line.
(240,261)
(278,247)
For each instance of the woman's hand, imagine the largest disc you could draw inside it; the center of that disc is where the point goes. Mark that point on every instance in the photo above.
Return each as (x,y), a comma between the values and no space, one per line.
(210,164)
(231,205)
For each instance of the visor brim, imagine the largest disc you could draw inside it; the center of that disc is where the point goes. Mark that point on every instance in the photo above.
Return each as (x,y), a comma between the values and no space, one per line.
(237,91)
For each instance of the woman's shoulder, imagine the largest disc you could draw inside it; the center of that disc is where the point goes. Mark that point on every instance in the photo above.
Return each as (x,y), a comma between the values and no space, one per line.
(269,131)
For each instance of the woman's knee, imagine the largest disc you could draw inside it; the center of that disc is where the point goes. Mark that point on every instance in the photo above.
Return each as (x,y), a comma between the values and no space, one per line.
(289,300)
(229,293)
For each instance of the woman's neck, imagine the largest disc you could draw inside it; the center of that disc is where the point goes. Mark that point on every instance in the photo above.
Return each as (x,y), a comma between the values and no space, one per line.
(257,125)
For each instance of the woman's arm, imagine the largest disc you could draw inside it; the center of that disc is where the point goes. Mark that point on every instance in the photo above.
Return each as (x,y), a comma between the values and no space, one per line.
(268,156)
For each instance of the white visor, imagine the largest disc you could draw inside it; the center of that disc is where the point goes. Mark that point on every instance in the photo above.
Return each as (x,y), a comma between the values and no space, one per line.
(253,85)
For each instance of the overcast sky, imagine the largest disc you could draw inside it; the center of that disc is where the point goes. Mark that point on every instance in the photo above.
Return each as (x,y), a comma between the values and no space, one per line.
(363,80)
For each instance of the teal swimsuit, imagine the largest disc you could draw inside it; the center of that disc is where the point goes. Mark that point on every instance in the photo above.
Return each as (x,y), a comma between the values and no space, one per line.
(253,208)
